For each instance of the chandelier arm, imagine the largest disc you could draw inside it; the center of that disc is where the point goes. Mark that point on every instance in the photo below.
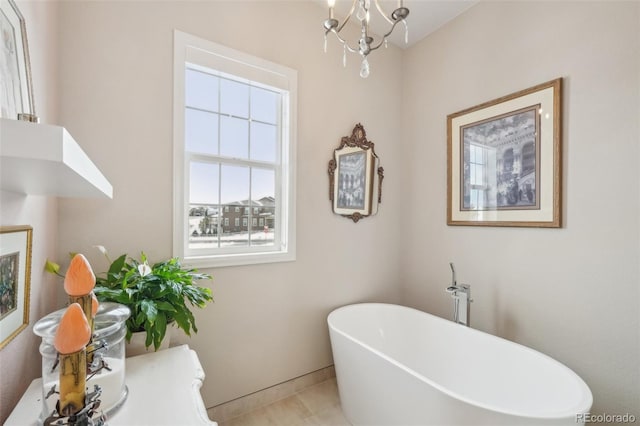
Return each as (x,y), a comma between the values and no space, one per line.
(365,44)
(386,35)
(343,41)
(346,19)
(384,15)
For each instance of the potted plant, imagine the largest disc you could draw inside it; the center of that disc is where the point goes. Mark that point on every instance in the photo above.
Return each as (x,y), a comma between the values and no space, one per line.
(157,295)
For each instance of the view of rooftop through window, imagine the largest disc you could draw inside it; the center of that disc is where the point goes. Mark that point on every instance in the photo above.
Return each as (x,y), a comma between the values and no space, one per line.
(231,140)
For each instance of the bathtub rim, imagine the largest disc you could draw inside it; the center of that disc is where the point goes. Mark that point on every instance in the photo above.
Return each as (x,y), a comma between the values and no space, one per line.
(583,407)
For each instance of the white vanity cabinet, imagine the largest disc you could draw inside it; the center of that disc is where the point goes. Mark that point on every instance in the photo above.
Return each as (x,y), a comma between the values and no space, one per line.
(164,389)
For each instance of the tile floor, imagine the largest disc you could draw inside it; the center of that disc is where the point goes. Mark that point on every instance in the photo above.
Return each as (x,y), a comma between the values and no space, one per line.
(316,405)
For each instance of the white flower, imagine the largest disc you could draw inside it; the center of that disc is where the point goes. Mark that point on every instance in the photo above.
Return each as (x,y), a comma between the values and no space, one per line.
(144,269)
(102,249)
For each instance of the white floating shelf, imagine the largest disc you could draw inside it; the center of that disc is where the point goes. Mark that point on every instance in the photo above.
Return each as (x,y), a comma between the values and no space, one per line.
(41,159)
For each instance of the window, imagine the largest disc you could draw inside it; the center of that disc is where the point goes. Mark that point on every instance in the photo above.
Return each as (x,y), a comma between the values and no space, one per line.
(234,144)
(481,175)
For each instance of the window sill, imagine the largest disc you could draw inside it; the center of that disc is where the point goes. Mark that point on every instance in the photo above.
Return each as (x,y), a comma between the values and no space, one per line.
(236,259)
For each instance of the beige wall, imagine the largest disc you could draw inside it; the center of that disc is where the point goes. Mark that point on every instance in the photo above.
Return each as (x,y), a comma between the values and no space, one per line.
(268,323)
(572,292)
(20,359)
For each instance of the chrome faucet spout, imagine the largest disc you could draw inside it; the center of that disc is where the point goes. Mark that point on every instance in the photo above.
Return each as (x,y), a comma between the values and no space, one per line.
(454,282)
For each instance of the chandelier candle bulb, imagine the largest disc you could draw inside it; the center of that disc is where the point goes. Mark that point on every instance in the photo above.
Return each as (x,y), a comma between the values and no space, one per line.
(331,4)
(406,32)
(71,340)
(79,283)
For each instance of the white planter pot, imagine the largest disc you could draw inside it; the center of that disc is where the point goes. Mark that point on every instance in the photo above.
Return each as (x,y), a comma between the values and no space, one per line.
(136,345)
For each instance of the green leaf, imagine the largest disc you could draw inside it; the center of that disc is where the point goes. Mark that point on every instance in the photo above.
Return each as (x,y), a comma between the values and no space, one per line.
(160,330)
(149,338)
(150,310)
(51,267)
(117,265)
(183,322)
(105,294)
(140,319)
(165,306)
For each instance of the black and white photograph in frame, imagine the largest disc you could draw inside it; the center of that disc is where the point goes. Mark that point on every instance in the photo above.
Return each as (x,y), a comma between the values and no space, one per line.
(504,160)
(355,177)
(351,180)
(500,162)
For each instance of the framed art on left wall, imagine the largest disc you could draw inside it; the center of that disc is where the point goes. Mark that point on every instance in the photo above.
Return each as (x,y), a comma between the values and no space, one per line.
(16,92)
(15,280)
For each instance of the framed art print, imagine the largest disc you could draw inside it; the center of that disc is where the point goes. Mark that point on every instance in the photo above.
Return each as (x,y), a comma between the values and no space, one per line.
(504,160)
(16,93)
(353,188)
(15,279)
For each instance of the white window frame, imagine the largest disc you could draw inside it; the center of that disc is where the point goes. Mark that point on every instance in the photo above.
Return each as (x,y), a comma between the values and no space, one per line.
(226,61)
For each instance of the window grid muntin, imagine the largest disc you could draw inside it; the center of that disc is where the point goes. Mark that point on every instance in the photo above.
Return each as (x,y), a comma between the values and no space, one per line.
(225,207)
(478,161)
(276,166)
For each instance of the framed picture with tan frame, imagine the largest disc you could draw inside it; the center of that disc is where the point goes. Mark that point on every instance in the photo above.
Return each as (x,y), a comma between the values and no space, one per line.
(15,279)
(504,160)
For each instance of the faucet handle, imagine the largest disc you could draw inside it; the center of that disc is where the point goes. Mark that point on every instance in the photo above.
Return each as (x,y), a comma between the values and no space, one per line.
(466,288)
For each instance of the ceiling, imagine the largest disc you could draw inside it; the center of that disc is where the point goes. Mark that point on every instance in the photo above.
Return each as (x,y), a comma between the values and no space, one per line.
(425,17)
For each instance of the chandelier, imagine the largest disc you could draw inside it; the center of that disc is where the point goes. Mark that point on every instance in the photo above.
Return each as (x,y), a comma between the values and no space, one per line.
(366,43)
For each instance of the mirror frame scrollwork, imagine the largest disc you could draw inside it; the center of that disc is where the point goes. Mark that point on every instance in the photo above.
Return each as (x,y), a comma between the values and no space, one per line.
(354,191)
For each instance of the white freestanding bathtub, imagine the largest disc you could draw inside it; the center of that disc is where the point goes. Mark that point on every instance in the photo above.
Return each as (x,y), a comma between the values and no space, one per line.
(400,366)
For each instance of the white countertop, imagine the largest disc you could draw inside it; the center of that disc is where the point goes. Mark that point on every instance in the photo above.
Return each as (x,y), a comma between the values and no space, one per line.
(164,389)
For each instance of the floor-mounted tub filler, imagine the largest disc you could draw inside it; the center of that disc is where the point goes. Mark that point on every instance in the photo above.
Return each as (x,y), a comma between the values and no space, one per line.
(400,366)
